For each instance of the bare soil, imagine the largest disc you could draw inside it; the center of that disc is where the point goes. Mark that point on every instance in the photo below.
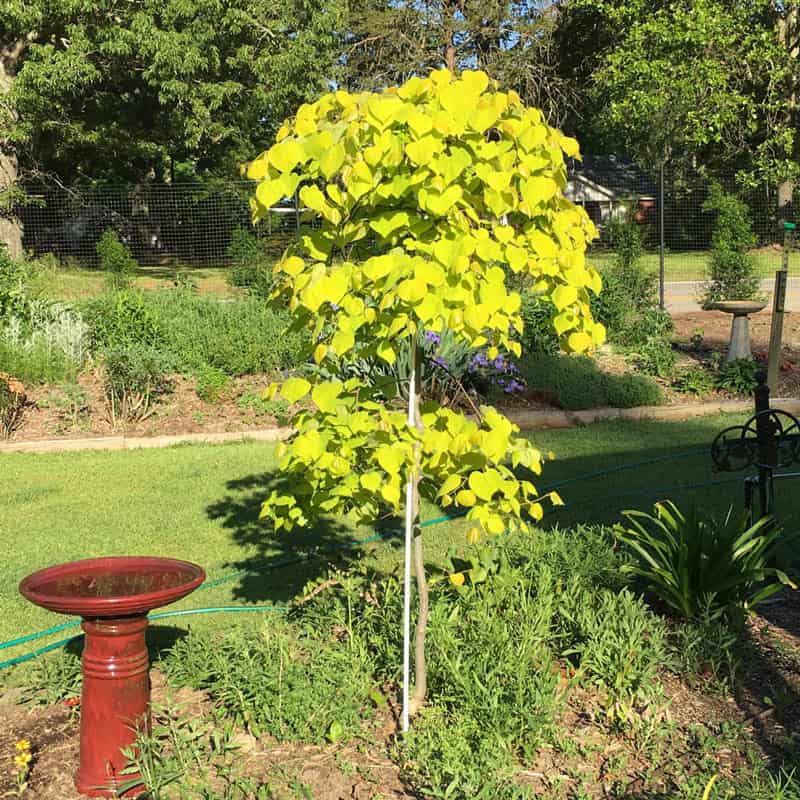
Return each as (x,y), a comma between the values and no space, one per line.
(51,412)
(715,329)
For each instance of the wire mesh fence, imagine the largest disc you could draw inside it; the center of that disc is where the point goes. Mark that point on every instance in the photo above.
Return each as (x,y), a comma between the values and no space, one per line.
(193,224)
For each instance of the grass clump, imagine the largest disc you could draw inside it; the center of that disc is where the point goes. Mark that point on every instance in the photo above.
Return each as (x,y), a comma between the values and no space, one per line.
(577,383)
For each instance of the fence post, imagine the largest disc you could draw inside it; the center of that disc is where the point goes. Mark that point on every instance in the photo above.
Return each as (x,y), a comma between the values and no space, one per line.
(767,446)
(778,306)
(661,277)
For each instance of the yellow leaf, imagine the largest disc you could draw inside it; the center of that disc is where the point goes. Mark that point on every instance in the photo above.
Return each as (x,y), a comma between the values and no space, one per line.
(423,151)
(390,459)
(286,155)
(457,578)
(544,246)
(332,161)
(391,493)
(451,482)
(386,352)
(555,499)
(371,481)
(439,203)
(466,498)
(419,122)
(570,146)
(474,535)
(342,342)
(412,290)
(325,396)
(579,342)
(564,296)
(257,169)
(564,321)
(295,389)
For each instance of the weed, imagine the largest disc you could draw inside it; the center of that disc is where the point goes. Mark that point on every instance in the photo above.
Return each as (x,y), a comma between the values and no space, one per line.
(53,679)
(211,384)
(275,681)
(695,380)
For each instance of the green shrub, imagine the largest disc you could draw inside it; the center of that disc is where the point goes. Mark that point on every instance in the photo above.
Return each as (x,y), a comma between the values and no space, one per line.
(261,407)
(240,337)
(695,562)
(614,305)
(732,270)
(123,319)
(577,382)
(14,291)
(739,376)
(652,323)
(116,260)
(655,357)
(539,335)
(278,681)
(627,240)
(251,266)
(211,384)
(135,376)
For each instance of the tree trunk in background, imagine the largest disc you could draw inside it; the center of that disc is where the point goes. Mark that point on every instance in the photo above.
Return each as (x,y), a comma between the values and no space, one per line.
(449,9)
(788,32)
(10,225)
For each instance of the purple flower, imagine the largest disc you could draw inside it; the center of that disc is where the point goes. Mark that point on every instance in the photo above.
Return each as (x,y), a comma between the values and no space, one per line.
(439,361)
(514,386)
(433,337)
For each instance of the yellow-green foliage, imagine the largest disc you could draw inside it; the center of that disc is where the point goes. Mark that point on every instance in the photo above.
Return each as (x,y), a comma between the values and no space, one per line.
(459,185)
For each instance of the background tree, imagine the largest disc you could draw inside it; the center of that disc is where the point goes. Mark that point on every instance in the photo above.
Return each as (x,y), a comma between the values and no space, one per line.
(125,91)
(454,214)
(388,41)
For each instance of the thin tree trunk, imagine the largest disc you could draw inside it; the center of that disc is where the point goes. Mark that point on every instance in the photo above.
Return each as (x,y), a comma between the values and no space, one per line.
(10,224)
(420,665)
(787,33)
(449,10)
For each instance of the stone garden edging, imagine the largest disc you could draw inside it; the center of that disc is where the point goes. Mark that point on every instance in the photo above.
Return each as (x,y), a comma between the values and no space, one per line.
(526,420)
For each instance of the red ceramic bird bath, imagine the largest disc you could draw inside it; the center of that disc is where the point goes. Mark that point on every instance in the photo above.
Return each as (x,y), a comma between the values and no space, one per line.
(114,596)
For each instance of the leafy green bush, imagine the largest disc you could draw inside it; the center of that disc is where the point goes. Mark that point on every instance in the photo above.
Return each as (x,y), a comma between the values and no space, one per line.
(279,681)
(239,337)
(577,382)
(211,384)
(739,376)
(123,319)
(732,270)
(695,380)
(251,266)
(652,323)
(116,259)
(193,332)
(135,376)
(694,562)
(655,357)
(260,406)
(14,293)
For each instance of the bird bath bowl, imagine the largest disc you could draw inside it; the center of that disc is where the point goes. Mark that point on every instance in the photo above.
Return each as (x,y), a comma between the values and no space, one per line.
(739,345)
(113,596)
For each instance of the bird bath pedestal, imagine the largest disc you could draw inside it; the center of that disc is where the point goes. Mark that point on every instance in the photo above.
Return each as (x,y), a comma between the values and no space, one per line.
(739,346)
(114,596)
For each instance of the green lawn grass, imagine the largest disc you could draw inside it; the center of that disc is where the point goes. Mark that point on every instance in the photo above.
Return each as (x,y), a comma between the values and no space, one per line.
(75,283)
(201,503)
(693,266)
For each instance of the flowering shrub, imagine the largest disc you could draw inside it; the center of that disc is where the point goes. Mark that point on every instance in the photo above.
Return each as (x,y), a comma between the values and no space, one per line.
(12,401)
(22,765)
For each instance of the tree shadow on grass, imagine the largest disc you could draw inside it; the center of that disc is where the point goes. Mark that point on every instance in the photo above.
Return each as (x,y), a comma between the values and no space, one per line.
(281,563)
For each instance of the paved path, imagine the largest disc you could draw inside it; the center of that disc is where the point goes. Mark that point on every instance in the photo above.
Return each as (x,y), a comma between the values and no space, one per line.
(681,296)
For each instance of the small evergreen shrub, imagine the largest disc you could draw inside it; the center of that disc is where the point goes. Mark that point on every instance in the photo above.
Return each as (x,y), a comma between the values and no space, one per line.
(116,260)
(577,383)
(539,335)
(732,269)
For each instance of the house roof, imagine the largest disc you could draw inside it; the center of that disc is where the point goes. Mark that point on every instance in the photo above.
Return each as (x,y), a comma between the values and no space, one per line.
(617,175)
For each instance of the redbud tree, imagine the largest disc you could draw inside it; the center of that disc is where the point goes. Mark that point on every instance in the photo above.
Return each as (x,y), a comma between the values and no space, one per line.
(431,196)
